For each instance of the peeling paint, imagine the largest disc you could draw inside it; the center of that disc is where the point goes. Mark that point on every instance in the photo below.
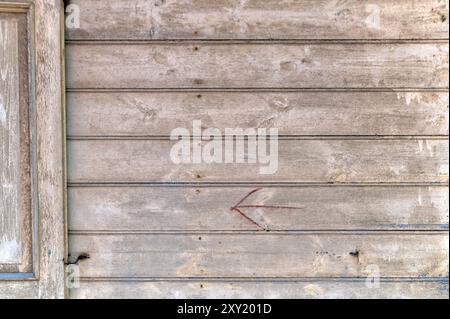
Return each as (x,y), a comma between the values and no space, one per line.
(10,251)
(313,290)
(2,115)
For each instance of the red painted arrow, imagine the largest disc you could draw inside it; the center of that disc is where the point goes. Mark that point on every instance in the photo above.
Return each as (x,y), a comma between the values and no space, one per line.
(237,208)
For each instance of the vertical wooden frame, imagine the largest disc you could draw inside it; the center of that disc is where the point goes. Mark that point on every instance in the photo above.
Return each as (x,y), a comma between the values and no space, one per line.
(50,147)
(45,277)
(22,16)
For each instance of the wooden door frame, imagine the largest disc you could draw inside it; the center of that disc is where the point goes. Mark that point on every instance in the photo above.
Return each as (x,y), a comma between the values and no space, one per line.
(46,74)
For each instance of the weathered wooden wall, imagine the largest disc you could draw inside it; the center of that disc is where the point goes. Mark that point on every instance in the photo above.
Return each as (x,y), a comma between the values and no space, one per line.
(361,102)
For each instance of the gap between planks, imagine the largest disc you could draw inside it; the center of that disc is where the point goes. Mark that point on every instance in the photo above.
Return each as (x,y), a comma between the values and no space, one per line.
(443,280)
(440,230)
(280,137)
(251,184)
(129,41)
(250,90)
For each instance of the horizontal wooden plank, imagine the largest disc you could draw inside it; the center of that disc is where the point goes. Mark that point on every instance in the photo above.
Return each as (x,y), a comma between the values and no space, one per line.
(417,65)
(19,289)
(262,255)
(260,290)
(165,208)
(261,19)
(299,161)
(307,113)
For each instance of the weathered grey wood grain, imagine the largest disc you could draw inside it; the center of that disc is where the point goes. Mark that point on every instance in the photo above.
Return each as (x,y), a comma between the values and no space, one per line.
(264,290)
(417,65)
(261,19)
(19,290)
(299,161)
(16,144)
(307,113)
(169,208)
(10,210)
(142,234)
(41,133)
(263,255)
(50,123)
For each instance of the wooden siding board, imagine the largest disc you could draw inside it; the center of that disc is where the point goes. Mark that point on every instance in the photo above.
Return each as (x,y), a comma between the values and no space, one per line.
(261,19)
(263,255)
(394,161)
(260,290)
(294,113)
(416,65)
(208,209)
